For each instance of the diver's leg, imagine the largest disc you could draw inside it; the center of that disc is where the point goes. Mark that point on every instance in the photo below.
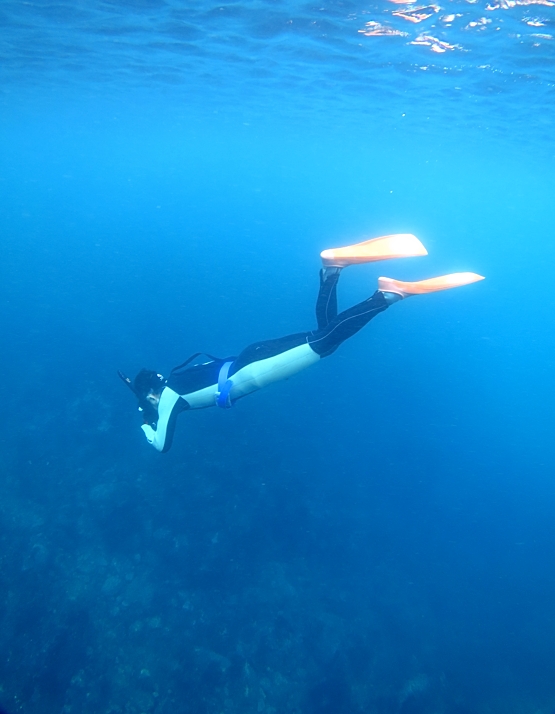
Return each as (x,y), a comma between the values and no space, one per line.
(265,362)
(326,340)
(261,351)
(326,304)
(400,245)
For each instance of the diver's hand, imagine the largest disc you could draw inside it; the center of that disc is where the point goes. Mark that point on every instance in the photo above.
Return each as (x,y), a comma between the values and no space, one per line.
(159,437)
(149,433)
(151,436)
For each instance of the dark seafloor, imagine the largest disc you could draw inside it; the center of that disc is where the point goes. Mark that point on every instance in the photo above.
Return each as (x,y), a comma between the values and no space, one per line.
(375,535)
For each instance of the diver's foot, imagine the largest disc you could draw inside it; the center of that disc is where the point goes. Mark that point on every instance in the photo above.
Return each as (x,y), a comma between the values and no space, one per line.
(329,272)
(422,287)
(399,245)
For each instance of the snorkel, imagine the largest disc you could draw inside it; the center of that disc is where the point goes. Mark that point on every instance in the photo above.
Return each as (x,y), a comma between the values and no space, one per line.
(127,381)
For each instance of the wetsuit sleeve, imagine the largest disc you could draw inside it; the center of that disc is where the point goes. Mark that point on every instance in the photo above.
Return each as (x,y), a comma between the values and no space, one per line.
(169,407)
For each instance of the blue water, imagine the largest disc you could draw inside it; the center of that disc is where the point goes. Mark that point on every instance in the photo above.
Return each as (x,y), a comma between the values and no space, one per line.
(374,535)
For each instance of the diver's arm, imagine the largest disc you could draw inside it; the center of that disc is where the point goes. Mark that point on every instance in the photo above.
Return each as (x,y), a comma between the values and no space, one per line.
(168,409)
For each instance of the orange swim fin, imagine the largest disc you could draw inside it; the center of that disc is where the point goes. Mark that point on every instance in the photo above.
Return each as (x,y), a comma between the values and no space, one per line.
(399,245)
(422,287)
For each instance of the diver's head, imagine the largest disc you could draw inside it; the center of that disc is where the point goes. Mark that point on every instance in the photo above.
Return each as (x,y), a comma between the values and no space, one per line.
(147,387)
(148,384)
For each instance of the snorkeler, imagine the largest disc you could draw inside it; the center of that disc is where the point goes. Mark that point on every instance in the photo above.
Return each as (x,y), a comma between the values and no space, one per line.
(222,381)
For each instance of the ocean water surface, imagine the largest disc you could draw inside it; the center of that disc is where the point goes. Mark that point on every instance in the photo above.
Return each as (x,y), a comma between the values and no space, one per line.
(374,535)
